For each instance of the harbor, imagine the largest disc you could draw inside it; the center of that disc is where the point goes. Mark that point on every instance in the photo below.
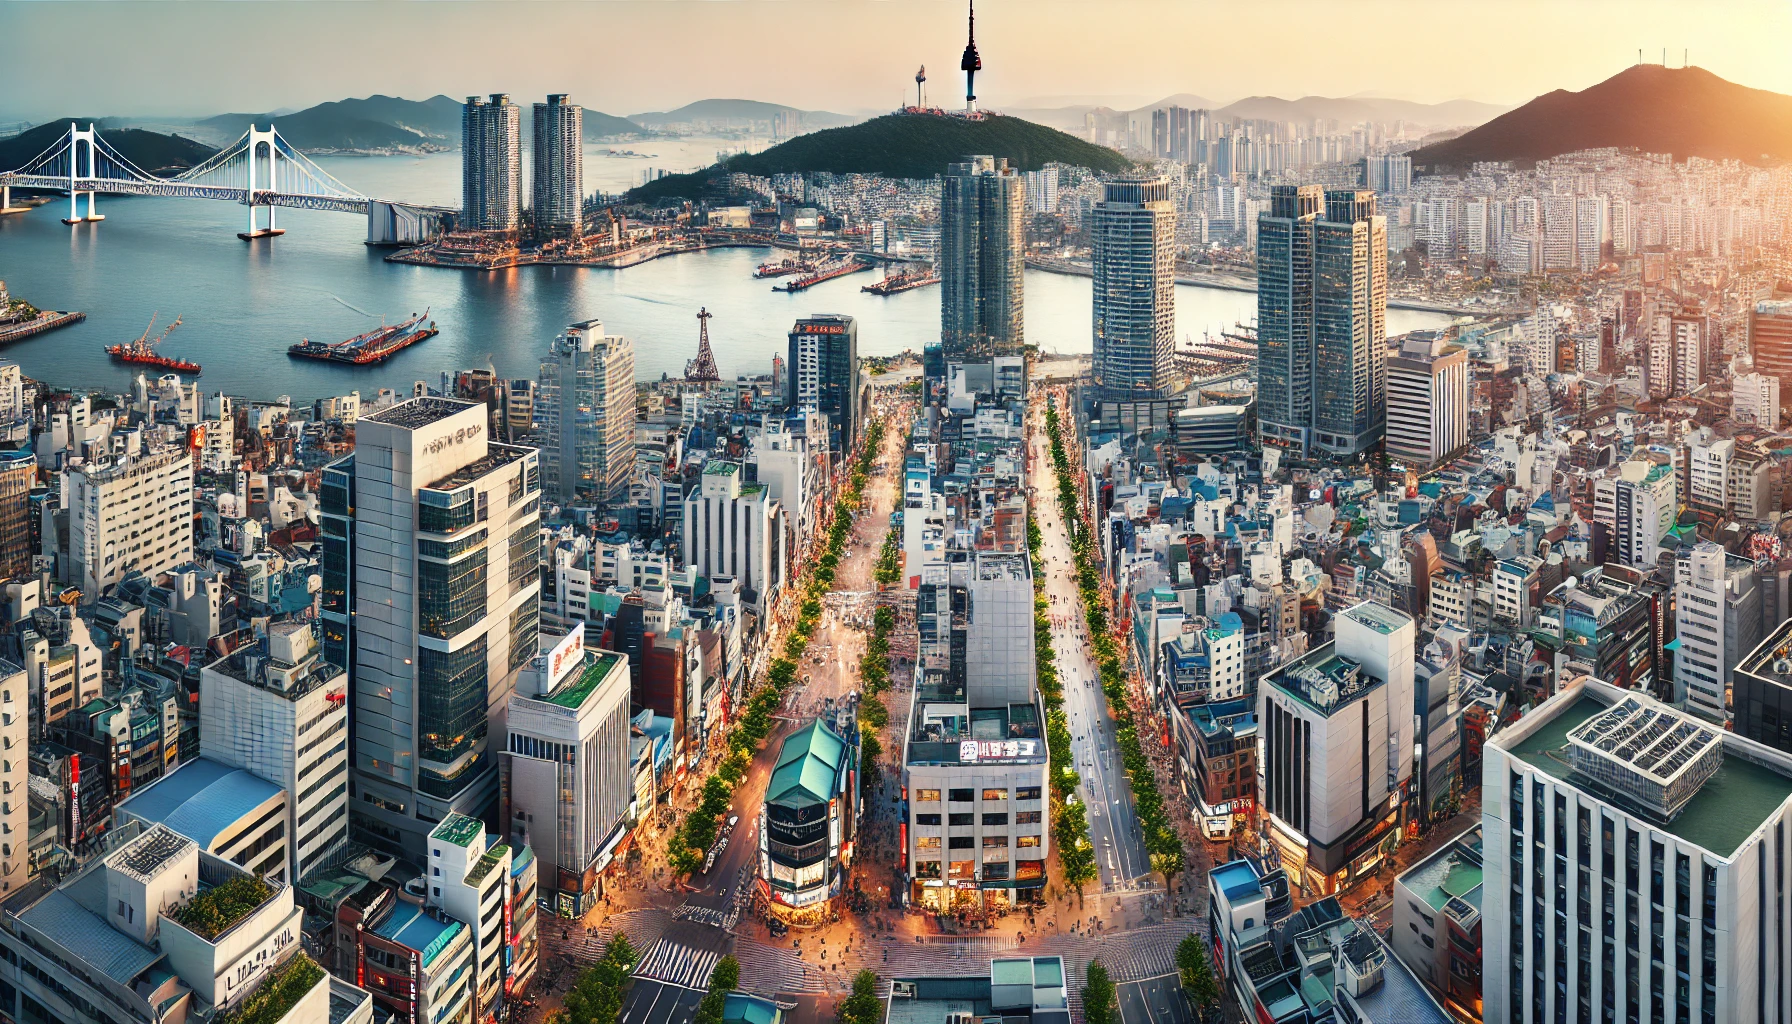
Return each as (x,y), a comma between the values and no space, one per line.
(904,280)
(46,320)
(142,351)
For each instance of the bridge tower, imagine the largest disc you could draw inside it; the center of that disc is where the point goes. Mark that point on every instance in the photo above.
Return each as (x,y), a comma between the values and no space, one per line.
(257,139)
(75,137)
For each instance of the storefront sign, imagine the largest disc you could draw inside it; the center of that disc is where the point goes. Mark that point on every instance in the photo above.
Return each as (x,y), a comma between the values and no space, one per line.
(416,983)
(74,794)
(996,750)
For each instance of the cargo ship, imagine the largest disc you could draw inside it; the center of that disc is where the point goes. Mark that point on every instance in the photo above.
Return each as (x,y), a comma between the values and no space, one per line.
(792,265)
(142,352)
(903,281)
(375,346)
(826,272)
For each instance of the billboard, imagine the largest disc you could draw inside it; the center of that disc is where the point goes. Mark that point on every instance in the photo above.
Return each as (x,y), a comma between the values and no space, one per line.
(569,652)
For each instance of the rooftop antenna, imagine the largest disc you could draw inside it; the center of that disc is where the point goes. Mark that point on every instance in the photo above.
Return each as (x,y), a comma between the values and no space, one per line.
(920,79)
(971,63)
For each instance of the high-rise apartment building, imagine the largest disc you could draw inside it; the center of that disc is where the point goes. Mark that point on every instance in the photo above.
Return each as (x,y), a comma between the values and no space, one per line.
(1389,172)
(1474,229)
(982,257)
(1337,750)
(1770,342)
(1350,306)
(1322,319)
(1640,505)
(447,584)
(1427,400)
(557,186)
(585,405)
(1717,609)
(1590,216)
(491,164)
(128,511)
(1285,314)
(1560,232)
(824,374)
(1133,234)
(1635,860)
(1676,354)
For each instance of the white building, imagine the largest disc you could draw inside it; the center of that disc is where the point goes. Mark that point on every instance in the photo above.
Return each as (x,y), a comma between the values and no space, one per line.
(1513,579)
(447,587)
(469,878)
(1427,400)
(557,184)
(737,530)
(1589,231)
(230,812)
(15,808)
(127,511)
(1717,618)
(570,782)
(1755,398)
(278,710)
(1337,748)
(107,945)
(1631,853)
(1639,505)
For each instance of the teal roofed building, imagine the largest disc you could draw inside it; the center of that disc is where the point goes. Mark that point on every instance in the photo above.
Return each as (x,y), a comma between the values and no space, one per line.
(811,815)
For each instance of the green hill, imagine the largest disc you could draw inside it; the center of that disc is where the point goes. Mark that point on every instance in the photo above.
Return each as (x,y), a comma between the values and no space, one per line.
(599,125)
(900,146)
(738,110)
(375,123)
(154,152)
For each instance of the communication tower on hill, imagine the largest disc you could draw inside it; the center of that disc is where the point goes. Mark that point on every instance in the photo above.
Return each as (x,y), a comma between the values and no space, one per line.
(703,368)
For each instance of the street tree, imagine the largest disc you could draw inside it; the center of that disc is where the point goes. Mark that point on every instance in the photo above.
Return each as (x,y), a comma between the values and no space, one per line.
(1098,995)
(1198,982)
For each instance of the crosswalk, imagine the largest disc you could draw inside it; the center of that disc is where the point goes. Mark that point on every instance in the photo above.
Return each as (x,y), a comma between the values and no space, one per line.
(677,964)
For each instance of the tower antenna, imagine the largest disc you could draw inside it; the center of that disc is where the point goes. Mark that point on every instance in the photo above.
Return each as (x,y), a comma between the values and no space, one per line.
(920,79)
(971,64)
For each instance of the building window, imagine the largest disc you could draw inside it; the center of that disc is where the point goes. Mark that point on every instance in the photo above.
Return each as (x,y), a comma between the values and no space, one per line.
(995,794)
(927,819)
(999,818)
(962,796)
(927,796)
(966,818)
(962,843)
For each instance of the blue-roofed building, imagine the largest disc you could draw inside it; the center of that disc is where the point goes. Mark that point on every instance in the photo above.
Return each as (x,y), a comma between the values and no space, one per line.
(1016,990)
(414,960)
(231,813)
(137,934)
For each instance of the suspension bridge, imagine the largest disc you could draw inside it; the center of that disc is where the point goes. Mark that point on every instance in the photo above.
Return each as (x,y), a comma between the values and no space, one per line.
(260,171)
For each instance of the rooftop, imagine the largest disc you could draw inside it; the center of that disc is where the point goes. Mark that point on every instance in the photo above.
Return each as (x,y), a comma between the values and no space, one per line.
(410,927)
(146,854)
(807,765)
(1651,752)
(573,692)
(420,412)
(496,457)
(1724,811)
(1323,679)
(1454,871)
(459,830)
(111,953)
(201,799)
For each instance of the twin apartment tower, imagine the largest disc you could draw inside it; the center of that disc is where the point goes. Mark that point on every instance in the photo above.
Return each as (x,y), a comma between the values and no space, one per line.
(491,178)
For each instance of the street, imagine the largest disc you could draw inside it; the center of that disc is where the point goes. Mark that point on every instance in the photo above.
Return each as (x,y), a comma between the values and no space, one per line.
(1113,827)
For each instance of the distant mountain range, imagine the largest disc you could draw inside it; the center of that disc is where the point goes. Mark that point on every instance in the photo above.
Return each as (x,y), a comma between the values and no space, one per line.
(1349,110)
(377,123)
(1647,107)
(900,146)
(153,152)
(387,123)
(738,110)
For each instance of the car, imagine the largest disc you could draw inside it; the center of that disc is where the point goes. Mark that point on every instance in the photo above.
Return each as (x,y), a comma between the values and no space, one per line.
(733,820)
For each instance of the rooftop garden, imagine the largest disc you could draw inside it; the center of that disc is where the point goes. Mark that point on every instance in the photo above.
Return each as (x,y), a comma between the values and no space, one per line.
(284,987)
(213,912)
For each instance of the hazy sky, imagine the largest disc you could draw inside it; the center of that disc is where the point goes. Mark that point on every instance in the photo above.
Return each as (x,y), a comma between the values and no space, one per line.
(626,56)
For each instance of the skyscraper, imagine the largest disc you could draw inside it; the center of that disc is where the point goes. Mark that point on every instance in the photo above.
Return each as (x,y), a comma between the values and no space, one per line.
(1322,319)
(586,407)
(824,374)
(557,186)
(1285,313)
(491,164)
(447,590)
(1770,343)
(982,258)
(1133,232)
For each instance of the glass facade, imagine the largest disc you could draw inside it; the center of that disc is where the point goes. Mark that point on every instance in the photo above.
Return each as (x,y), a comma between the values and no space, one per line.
(451,701)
